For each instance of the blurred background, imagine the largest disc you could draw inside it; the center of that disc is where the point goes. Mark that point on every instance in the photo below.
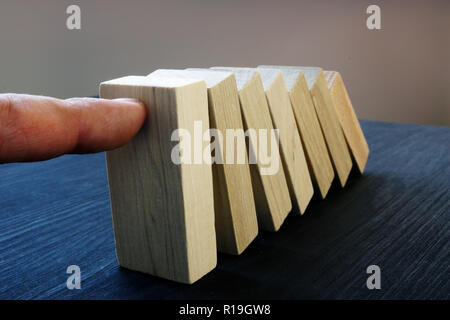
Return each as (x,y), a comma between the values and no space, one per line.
(400,73)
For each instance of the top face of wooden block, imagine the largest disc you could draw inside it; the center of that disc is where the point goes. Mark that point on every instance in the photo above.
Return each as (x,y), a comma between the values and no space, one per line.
(153,81)
(212,78)
(330,77)
(243,75)
(291,73)
(268,77)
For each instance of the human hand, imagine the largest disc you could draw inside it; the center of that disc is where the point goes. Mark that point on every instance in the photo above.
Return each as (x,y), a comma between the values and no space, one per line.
(34,128)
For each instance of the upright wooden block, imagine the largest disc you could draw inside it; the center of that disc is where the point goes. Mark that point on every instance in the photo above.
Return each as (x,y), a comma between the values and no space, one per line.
(329,120)
(235,213)
(347,117)
(309,128)
(163,213)
(294,161)
(271,192)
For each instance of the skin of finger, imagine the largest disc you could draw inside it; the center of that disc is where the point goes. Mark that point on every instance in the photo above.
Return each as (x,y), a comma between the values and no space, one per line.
(113,124)
(39,128)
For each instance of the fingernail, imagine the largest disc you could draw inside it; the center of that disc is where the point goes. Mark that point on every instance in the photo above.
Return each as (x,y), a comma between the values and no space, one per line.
(128,100)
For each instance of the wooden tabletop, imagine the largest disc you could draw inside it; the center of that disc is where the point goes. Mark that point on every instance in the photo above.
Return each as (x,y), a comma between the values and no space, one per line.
(56,213)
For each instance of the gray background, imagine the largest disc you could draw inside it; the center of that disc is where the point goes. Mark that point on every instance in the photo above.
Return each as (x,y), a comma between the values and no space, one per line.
(400,73)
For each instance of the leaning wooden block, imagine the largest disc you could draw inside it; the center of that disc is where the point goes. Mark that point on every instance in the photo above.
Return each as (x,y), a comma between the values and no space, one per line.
(163,212)
(270,188)
(319,161)
(294,161)
(347,117)
(329,120)
(235,213)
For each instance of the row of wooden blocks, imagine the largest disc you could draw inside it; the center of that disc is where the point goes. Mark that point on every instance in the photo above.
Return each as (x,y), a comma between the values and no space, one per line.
(170,219)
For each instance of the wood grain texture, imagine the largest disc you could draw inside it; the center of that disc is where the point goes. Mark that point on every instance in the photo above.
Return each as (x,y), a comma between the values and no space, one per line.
(349,122)
(163,213)
(328,119)
(235,214)
(308,124)
(57,213)
(294,161)
(271,192)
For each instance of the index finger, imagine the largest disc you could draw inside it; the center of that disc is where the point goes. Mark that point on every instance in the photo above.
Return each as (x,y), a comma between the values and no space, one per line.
(38,128)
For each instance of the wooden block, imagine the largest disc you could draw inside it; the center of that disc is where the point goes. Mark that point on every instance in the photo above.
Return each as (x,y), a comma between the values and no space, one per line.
(235,213)
(309,128)
(271,192)
(163,213)
(294,161)
(347,117)
(329,120)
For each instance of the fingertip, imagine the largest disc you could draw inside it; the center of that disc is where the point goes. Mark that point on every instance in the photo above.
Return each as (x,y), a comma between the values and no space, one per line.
(130,100)
(132,104)
(136,106)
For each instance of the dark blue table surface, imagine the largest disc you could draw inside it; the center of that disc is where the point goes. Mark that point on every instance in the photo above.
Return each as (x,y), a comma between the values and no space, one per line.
(56,213)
